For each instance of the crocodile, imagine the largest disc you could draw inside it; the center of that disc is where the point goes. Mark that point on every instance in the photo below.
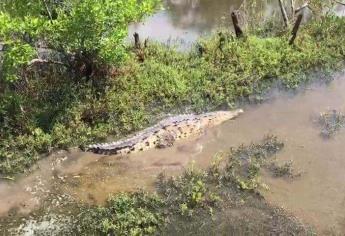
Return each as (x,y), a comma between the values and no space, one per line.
(165,133)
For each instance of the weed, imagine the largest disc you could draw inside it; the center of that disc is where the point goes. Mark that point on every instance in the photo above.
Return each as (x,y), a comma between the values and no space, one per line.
(124,214)
(331,122)
(284,170)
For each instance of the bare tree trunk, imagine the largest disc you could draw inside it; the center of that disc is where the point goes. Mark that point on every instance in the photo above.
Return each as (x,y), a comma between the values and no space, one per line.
(285,17)
(238,30)
(296,28)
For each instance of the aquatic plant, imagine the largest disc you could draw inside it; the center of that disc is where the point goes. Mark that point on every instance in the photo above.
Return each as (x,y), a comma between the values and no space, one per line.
(244,163)
(331,122)
(283,170)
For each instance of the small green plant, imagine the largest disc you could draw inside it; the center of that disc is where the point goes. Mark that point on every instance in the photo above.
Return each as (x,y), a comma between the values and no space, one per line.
(244,164)
(125,214)
(283,170)
(188,192)
(331,122)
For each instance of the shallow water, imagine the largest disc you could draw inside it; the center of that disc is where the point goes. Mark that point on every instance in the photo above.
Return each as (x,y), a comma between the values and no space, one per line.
(317,197)
(184,21)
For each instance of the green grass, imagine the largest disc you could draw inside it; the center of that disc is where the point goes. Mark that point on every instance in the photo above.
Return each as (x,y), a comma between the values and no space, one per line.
(55,112)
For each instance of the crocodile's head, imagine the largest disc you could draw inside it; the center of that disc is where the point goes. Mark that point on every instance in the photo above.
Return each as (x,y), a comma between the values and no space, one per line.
(218,117)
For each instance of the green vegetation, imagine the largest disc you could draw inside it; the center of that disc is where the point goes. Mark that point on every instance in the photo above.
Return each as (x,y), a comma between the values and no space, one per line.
(124,214)
(283,170)
(331,122)
(214,200)
(92,87)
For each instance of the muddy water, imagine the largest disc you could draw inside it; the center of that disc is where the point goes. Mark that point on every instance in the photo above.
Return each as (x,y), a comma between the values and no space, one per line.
(317,197)
(186,20)
(182,22)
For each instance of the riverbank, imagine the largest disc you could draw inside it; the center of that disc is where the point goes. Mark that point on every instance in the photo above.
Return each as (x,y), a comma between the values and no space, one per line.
(156,80)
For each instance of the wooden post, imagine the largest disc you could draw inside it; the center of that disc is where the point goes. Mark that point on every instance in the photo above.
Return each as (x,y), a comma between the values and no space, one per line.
(146,42)
(136,40)
(296,28)
(285,18)
(238,30)
(200,49)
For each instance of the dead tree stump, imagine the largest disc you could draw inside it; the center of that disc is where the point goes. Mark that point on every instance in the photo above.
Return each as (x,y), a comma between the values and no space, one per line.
(238,30)
(136,40)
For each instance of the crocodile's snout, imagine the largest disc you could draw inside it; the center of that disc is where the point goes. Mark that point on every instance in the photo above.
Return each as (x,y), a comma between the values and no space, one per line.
(228,115)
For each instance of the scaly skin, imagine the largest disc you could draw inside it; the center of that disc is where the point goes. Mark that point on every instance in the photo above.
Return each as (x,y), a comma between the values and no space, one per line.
(165,133)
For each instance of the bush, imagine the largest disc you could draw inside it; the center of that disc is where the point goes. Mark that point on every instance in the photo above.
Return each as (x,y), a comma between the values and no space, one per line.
(87,34)
(125,214)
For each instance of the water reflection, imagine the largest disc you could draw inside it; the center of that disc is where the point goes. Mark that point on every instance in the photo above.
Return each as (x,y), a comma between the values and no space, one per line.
(186,20)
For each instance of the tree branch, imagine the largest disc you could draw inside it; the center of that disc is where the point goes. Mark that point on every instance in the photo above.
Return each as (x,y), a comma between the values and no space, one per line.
(48,11)
(285,17)
(292,2)
(305,5)
(341,3)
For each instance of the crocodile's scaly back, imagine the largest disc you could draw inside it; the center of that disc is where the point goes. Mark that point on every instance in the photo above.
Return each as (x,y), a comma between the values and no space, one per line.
(165,133)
